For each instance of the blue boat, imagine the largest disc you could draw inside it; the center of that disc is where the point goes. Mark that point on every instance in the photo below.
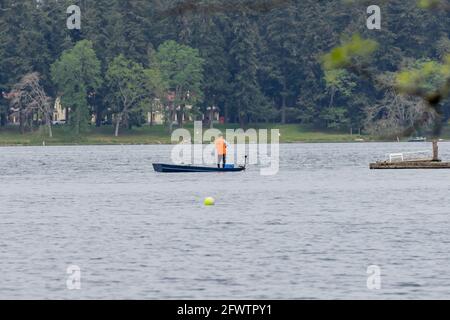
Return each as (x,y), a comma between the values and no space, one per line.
(171,168)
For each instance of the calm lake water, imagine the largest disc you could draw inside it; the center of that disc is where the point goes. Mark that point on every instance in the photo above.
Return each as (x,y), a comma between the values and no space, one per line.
(309,232)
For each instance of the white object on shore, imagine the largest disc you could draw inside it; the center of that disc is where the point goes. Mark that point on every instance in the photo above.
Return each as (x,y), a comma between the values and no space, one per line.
(409,156)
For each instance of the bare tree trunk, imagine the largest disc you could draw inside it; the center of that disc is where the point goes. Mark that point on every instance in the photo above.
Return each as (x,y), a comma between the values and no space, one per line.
(435,150)
(118,122)
(49,125)
(126,121)
(21,122)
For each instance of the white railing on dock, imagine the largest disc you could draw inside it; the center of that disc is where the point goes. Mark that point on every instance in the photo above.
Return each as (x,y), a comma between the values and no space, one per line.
(409,156)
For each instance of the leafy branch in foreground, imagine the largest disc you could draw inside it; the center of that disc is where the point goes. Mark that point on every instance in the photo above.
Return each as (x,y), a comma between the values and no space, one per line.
(433,4)
(348,54)
(429,80)
(422,4)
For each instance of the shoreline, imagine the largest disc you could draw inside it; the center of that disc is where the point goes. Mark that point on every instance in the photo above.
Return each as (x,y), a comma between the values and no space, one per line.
(171,144)
(158,135)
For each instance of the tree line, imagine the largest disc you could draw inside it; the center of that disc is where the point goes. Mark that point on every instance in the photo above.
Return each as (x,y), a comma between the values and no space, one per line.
(257,61)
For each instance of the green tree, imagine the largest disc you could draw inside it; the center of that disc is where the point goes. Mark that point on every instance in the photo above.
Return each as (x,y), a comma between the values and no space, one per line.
(181,69)
(210,35)
(282,35)
(76,74)
(247,94)
(335,117)
(157,87)
(127,84)
(260,58)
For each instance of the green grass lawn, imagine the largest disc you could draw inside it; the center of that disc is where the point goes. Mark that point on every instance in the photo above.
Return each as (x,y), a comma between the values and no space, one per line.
(155,135)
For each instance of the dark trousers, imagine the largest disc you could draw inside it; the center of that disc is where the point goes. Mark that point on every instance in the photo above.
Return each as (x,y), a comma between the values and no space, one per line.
(221,158)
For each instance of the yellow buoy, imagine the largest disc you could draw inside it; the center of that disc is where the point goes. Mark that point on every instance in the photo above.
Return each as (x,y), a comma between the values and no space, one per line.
(210,201)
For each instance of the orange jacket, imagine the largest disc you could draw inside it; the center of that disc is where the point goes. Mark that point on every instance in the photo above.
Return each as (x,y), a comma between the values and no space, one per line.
(221,146)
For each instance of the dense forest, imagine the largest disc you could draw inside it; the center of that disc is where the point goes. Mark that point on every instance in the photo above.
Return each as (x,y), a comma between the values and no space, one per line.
(257,61)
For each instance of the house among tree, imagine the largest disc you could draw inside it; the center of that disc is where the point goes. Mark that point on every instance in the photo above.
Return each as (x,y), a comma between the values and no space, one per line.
(212,115)
(156,115)
(59,112)
(159,111)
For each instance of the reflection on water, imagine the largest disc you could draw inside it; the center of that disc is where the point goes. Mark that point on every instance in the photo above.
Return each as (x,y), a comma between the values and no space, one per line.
(309,232)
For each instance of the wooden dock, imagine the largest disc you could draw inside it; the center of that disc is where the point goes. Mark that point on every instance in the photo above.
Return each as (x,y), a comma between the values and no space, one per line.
(426,164)
(433,163)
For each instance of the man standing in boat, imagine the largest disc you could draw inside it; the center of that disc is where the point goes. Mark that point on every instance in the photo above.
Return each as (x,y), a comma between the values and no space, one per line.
(221,147)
